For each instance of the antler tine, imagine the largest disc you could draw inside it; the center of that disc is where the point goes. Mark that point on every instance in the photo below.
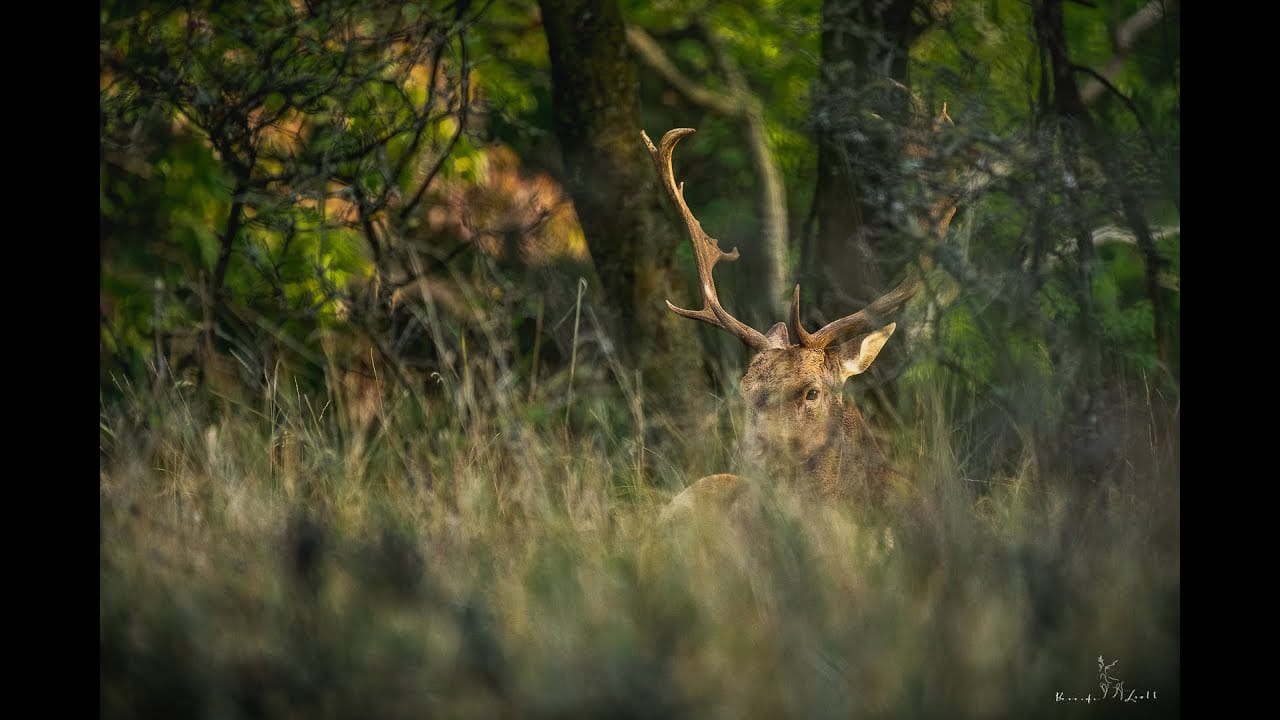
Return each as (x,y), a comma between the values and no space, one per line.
(857,322)
(706,249)
(806,340)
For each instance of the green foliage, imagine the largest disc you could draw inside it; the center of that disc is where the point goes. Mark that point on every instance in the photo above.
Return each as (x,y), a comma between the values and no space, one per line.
(514,72)
(981,63)
(253,154)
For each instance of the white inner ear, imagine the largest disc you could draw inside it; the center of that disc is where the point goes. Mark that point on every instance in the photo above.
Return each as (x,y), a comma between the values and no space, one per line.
(777,336)
(867,351)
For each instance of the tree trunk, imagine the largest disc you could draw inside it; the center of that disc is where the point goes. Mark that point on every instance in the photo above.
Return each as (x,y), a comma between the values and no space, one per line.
(619,202)
(861,112)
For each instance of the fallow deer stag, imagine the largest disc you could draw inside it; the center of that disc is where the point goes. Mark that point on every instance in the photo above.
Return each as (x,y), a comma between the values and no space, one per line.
(801,430)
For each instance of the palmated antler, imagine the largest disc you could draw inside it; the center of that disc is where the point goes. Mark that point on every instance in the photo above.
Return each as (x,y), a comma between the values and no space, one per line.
(860,321)
(706,249)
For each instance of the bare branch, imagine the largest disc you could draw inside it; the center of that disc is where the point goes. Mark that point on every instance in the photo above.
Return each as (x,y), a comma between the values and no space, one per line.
(1098,78)
(464,93)
(1138,23)
(651,54)
(739,103)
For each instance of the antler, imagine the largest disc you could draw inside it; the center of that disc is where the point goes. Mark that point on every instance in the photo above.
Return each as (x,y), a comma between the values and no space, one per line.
(706,249)
(857,322)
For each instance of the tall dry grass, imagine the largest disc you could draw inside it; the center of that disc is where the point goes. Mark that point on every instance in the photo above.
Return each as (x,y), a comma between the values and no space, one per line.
(483,551)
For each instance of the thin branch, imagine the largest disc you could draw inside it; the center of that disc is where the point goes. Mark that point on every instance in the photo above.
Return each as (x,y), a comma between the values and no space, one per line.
(1126,37)
(1099,78)
(235,219)
(440,264)
(773,194)
(652,55)
(463,108)
(741,104)
(427,104)
(366,222)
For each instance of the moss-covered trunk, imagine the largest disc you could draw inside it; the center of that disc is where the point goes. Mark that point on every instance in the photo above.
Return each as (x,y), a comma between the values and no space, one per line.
(617,196)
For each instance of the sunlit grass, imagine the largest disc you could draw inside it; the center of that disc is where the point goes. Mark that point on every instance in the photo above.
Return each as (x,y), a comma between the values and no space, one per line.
(285,558)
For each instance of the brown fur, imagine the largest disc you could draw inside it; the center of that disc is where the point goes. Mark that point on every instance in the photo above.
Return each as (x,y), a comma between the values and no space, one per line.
(820,448)
(801,432)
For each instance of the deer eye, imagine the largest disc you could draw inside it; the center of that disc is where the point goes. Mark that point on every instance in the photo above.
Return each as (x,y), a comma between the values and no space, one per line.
(812,394)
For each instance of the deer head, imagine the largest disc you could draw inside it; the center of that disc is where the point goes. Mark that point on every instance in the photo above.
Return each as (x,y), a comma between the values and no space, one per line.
(800,425)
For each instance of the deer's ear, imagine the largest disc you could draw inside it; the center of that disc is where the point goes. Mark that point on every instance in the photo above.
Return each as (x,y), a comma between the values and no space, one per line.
(777,336)
(856,363)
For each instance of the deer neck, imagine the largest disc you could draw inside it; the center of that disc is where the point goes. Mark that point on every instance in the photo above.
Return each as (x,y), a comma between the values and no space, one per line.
(842,467)
(850,464)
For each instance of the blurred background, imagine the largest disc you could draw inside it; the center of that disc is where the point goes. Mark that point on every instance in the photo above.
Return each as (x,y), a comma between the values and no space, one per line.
(390,397)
